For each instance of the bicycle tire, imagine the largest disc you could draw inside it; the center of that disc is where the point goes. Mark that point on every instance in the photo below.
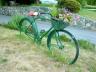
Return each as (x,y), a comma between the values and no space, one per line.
(76,46)
(26,26)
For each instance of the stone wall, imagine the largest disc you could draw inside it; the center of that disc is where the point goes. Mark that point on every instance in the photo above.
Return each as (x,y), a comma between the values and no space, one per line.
(83,22)
(10,11)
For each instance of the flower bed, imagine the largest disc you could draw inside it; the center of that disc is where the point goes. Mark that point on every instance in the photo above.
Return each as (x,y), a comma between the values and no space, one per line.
(84,22)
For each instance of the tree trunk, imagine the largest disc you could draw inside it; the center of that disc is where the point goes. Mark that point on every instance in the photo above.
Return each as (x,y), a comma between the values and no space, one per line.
(37,1)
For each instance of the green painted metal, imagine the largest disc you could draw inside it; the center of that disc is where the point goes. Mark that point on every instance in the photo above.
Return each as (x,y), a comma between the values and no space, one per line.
(57,26)
(61,45)
(33,26)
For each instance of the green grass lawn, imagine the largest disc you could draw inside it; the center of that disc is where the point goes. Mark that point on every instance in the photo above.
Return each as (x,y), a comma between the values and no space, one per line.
(87,13)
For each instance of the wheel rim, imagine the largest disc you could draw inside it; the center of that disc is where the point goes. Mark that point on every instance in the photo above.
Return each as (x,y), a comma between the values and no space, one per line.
(26,27)
(64,48)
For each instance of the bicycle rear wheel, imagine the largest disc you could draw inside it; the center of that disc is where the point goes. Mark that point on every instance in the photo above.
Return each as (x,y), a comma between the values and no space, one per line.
(63,46)
(25,26)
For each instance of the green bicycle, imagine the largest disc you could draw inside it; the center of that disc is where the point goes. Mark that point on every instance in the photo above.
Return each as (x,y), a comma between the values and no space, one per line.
(58,39)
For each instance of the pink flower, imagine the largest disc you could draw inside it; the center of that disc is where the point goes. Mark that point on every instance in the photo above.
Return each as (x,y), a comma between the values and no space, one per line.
(77,17)
(32,13)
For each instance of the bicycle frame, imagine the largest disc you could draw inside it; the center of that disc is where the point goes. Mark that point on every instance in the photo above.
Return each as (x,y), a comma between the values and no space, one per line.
(38,36)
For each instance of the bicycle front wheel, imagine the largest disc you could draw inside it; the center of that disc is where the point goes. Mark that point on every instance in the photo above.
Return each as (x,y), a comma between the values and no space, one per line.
(63,46)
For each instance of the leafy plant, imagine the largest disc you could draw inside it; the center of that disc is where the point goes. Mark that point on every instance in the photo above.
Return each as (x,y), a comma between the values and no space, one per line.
(82,2)
(54,11)
(86,45)
(82,43)
(13,24)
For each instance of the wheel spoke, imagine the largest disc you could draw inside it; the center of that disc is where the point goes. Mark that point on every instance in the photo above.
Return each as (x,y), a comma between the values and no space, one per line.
(26,27)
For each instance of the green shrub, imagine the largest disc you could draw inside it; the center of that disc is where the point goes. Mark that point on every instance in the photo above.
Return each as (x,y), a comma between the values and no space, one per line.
(82,2)
(91,2)
(13,24)
(72,5)
(86,45)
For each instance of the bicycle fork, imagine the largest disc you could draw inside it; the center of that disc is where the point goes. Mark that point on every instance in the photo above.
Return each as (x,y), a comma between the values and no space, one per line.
(59,43)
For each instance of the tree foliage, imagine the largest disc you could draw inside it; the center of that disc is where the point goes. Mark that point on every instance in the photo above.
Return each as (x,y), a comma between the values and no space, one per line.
(72,5)
(82,2)
(89,2)
(4,2)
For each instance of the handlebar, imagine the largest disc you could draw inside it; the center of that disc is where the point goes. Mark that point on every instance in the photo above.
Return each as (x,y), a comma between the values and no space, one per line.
(46,13)
(56,19)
